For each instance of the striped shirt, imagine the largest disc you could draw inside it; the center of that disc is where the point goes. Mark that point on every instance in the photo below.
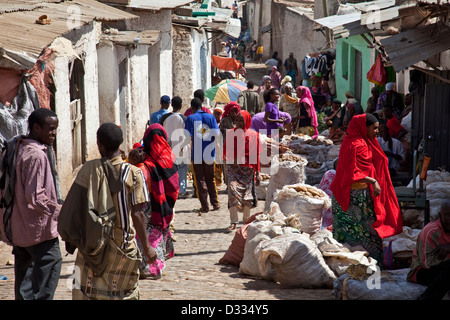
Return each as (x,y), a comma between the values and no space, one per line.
(36,209)
(134,192)
(431,236)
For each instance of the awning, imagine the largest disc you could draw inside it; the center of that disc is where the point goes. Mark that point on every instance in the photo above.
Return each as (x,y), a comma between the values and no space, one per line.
(222,63)
(412,46)
(22,39)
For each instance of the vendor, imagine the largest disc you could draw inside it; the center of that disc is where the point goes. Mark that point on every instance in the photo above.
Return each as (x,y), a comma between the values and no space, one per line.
(431,259)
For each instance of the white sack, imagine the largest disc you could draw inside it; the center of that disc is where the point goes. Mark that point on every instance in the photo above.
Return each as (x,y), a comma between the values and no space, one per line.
(293,260)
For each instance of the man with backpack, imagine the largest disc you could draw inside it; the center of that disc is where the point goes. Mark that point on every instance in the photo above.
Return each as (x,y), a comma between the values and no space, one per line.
(30,208)
(102,213)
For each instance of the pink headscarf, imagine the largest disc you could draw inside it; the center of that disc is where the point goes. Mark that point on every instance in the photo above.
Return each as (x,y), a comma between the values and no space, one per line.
(304,96)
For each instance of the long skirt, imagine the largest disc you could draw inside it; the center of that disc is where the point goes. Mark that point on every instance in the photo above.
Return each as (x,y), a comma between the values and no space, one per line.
(161,240)
(354,226)
(118,282)
(241,187)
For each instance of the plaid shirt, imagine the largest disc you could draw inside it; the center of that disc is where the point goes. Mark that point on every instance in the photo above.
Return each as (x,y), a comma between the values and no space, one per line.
(36,209)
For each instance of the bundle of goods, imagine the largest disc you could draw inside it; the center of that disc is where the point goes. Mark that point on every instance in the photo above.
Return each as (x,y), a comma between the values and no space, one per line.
(306,201)
(286,169)
(359,283)
(437,185)
(261,189)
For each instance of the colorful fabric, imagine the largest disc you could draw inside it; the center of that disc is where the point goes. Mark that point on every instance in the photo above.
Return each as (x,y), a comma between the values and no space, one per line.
(274,114)
(229,64)
(354,225)
(164,182)
(227,90)
(258,122)
(230,106)
(324,185)
(241,186)
(394,126)
(305,97)
(361,157)
(275,76)
(431,236)
(161,241)
(243,146)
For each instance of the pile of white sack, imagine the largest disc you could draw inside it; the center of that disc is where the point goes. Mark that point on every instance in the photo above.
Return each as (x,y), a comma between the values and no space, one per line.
(277,249)
(437,185)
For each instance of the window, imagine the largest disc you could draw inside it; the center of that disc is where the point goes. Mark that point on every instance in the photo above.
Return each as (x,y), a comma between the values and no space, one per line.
(345,49)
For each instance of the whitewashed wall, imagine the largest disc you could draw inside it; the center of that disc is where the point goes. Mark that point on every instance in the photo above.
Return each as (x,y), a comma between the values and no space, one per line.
(159,55)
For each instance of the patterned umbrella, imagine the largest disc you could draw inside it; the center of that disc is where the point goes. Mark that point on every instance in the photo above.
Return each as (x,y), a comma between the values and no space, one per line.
(227,90)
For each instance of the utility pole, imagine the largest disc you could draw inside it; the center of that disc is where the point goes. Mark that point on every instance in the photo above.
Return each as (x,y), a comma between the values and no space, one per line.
(325,14)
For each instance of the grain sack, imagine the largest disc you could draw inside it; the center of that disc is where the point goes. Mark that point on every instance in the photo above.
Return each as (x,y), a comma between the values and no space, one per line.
(338,256)
(306,201)
(235,252)
(288,169)
(293,260)
(382,285)
(266,226)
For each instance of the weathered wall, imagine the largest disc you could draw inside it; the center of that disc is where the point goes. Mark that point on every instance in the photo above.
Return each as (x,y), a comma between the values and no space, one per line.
(191,63)
(159,55)
(84,40)
(293,31)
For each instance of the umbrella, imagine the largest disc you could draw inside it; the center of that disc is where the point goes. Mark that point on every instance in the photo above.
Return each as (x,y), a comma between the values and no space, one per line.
(227,90)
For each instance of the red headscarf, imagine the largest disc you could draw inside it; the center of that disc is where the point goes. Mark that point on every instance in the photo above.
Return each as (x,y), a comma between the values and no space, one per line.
(304,96)
(360,157)
(230,106)
(159,164)
(248,152)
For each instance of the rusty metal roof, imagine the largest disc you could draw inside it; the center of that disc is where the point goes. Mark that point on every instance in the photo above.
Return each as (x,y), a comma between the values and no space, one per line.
(22,38)
(412,46)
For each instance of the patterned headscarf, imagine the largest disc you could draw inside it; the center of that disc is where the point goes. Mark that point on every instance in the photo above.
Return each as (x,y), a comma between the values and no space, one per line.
(164,186)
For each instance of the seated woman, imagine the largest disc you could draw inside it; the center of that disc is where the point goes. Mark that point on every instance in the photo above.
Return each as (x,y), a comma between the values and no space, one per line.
(308,117)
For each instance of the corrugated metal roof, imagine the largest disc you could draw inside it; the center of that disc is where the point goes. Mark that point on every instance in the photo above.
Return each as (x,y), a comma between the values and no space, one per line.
(157,4)
(22,36)
(409,47)
(369,17)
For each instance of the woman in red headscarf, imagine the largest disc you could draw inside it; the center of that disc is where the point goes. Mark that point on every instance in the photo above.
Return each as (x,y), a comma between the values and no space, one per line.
(161,174)
(241,154)
(308,117)
(365,207)
(227,122)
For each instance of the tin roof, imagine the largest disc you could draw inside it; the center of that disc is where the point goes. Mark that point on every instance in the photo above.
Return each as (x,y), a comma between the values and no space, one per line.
(412,46)
(152,4)
(22,39)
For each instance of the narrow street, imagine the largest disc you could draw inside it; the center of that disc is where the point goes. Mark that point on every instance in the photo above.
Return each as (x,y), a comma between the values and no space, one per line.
(194,273)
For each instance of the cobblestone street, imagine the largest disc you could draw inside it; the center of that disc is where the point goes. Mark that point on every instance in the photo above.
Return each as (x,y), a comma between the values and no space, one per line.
(194,272)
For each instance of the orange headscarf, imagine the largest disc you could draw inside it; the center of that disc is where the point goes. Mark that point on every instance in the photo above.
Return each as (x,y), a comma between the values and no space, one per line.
(360,157)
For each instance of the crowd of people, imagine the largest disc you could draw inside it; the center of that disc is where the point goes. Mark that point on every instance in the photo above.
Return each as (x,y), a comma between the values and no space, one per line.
(135,194)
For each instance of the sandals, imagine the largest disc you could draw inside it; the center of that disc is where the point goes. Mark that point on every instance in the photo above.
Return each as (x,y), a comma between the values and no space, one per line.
(231,227)
(200,211)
